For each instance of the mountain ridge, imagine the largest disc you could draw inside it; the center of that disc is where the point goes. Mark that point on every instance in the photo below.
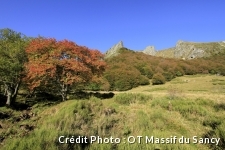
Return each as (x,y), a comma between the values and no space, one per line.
(182,50)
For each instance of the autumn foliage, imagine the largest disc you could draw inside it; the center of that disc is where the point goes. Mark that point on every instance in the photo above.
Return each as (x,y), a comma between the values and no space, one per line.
(57,67)
(60,65)
(130,69)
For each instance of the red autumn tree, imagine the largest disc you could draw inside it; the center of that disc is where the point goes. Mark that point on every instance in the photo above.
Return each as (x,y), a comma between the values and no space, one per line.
(61,64)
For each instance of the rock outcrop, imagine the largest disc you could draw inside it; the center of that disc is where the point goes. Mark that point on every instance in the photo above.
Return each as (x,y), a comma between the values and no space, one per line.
(113,51)
(182,50)
(150,50)
(187,50)
(190,50)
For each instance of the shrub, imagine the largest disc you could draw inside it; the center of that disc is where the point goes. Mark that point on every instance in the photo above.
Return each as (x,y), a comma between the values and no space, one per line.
(158,79)
(105,86)
(168,76)
(178,73)
(143,80)
(98,84)
(158,70)
(145,70)
(122,85)
(94,86)
(212,71)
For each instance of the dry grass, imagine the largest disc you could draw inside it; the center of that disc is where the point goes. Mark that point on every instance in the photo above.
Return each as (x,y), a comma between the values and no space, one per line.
(206,86)
(168,53)
(189,113)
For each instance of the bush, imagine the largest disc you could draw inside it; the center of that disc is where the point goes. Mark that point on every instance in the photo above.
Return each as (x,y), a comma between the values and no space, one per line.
(105,86)
(178,73)
(168,76)
(145,70)
(158,79)
(122,85)
(143,80)
(125,78)
(93,86)
(212,71)
(98,84)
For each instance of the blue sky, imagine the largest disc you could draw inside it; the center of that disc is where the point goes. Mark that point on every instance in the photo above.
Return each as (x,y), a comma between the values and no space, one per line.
(99,24)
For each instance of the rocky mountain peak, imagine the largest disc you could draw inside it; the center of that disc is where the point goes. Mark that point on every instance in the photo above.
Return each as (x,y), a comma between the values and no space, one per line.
(149,50)
(113,51)
(179,42)
(182,50)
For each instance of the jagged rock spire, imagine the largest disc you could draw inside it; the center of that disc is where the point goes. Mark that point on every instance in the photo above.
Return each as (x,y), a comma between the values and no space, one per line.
(149,50)
(113,51)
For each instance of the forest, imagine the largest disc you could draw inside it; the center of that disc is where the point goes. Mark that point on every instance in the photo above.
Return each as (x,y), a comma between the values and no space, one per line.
(131,69)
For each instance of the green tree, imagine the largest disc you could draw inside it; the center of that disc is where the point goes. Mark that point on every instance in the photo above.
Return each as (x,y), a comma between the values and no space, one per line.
(12,59)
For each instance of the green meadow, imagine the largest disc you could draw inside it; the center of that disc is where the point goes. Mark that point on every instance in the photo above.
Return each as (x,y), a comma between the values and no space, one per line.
(187,106)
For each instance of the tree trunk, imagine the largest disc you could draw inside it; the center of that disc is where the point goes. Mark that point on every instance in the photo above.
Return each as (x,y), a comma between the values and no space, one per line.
(64,96)
(15,93)
(64,91)
(8,90)
(11,93)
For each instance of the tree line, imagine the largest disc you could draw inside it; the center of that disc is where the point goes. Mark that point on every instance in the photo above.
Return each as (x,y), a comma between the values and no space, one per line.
(130,69)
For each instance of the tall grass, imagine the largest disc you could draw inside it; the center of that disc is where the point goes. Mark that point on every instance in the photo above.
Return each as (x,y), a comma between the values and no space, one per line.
(124,116)
(129,98)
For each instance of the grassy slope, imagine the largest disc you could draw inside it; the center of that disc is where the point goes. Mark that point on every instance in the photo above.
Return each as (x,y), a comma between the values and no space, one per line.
(168,53)
(210,48)
(187,106)
(205,86)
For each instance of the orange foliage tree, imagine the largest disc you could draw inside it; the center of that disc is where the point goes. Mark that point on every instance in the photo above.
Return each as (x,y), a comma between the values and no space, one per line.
(59,65)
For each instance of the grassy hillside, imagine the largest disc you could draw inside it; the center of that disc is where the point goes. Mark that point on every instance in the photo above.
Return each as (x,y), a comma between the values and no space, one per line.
(167,53)
(186,106)
(190,50)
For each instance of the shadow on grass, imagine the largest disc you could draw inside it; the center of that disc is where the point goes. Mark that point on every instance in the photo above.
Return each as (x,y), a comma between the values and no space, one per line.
(23,101)
(49,99)
(219,106)
(87,95)
(3,99)
(41,97)
(212,134)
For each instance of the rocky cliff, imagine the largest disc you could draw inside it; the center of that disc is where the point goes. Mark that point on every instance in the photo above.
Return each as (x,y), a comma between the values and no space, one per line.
(149,50)
(191,50)
(182,50)
(188,50)
(113,51)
